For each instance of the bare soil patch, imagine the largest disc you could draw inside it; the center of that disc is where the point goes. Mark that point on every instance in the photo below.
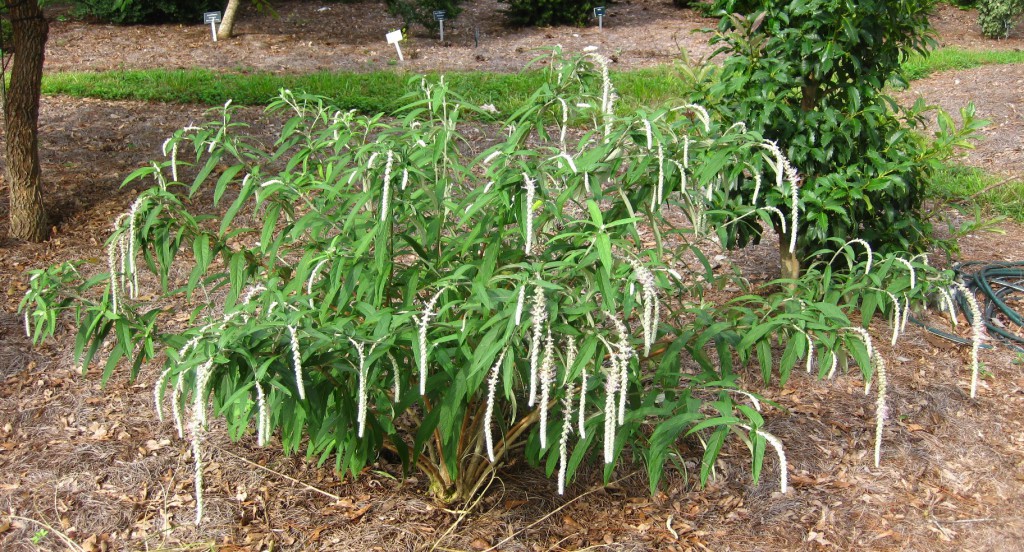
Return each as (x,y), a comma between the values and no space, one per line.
(998,95)
(95,465)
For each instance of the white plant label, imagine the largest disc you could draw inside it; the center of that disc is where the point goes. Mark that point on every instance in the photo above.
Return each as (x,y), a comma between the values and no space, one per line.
(394,37)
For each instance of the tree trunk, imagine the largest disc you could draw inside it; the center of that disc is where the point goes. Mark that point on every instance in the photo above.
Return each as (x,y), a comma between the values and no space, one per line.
(227,25)
(809,96)
(21,118)
(789,260)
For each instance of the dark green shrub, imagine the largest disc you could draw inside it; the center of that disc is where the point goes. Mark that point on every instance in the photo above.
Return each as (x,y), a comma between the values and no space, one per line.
(422,11)
(810,76)
(126,12)
(551,12)
(716,7)
(997,17)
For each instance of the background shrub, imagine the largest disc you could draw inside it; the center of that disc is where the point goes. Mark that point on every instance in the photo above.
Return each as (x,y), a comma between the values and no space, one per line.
(715,7)
(422,11)
(997,17)
(552,12)
(146,11)
(811,76)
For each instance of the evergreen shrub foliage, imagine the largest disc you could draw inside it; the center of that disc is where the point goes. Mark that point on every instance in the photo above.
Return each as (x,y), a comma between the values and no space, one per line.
(811,75)
(998,17)
(128,12)
(742,7)
(539,13)
(422,11)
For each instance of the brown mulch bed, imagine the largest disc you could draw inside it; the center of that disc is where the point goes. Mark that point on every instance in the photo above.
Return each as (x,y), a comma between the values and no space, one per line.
(95,465)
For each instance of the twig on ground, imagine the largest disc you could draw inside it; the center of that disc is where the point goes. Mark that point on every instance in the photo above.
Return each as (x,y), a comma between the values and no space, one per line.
(67,540)
(279,474)
(990,187)
(942,529)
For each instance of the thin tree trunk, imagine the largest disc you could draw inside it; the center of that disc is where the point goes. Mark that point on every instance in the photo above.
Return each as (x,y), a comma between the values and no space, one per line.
(227,25)
(789,260)
(21,118)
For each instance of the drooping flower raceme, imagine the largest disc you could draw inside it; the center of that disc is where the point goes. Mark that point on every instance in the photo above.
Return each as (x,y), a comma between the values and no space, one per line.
(649,287)
(784,171)
(977,332)
(112,268)
(611,383)
(519,305)
(361,393)
(173,151)
(386,193)
(538,316)
(397,376)
(607,94)
(910,268)
(546,377)
(492,386)
(297,361)
(263,421)
(776,444)
(622,355)
(880,408)
(563,442)
(424,320)
(865,337)
(867,251)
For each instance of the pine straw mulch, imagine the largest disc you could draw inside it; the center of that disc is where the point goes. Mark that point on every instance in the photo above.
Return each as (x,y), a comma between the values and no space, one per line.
(308,35)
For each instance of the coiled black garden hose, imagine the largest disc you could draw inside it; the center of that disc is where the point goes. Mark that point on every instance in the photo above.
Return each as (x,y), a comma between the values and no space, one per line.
(995,281)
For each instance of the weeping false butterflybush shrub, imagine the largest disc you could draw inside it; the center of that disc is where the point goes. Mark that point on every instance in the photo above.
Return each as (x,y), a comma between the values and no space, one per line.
(372,283)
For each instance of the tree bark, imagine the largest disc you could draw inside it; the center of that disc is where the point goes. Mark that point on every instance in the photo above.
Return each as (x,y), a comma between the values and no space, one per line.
(227,24)
(21,119)
(790,261)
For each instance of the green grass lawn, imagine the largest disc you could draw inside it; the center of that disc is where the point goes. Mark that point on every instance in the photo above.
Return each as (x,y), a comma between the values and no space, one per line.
(381,90)
(367,92)
(951,59)
(971,187)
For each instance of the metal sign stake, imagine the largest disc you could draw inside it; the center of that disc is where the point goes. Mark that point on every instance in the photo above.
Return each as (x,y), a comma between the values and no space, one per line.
(212,18)
(439,16)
